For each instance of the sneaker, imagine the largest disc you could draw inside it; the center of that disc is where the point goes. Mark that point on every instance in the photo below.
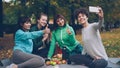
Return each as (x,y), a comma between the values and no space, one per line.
(12,66)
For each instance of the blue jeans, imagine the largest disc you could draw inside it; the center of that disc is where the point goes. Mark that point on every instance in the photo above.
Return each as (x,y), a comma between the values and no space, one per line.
(88,61)
(66,53)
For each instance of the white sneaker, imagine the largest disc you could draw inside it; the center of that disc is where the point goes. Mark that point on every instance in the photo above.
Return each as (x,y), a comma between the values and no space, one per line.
(12,66)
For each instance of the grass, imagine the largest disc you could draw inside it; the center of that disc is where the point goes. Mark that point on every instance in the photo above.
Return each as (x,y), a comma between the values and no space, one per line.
(111,41)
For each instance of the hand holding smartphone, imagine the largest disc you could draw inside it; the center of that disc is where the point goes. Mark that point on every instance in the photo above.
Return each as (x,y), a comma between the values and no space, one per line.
(93,9)
(97,10)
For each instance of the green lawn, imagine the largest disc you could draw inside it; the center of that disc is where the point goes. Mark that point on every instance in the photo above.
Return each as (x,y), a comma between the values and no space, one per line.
(111,41)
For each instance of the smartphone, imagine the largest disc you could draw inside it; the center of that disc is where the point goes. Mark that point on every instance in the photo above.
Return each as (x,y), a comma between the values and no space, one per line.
(93,9)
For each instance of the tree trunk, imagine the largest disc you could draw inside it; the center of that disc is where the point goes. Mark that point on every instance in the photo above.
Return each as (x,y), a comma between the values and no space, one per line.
(1,24)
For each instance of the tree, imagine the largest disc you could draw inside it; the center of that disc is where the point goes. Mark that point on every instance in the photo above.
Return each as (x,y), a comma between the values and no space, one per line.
(1,24)
(14,9)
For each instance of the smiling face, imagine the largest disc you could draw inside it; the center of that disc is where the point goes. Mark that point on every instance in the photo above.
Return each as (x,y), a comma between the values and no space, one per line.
(42,21)
(82,18)
(26,26)
(60,22)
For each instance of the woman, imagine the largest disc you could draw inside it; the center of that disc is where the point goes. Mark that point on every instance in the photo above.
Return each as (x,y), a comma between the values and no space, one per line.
(94,54)
(22,57)
(41,44)
(65,36)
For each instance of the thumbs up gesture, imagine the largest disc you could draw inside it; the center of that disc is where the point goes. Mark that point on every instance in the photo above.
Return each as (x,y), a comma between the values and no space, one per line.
(46,30)
(68,31)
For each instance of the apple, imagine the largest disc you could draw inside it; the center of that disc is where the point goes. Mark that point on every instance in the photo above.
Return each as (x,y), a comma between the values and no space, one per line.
(59,56)
(59,62)
(56,60)
(51,62)
(48,63)
(64,61)
(54,63)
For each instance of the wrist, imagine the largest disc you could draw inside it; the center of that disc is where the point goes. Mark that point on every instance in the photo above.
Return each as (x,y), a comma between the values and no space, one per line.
(101,17)
(49,58)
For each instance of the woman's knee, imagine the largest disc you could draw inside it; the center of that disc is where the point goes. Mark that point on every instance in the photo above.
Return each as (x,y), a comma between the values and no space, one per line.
(40,59)
(100,63)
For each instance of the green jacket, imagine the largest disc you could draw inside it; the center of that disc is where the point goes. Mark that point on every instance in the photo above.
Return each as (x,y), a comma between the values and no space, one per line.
(64,39)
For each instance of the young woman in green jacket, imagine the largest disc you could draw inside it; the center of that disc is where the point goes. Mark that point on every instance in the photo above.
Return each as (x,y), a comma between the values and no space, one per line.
(64,35)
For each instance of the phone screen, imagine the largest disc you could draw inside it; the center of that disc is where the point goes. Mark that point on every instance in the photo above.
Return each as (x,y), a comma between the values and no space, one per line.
(93,9)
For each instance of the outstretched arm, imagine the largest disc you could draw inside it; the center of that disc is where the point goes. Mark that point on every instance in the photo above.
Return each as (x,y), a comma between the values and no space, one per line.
(101,18)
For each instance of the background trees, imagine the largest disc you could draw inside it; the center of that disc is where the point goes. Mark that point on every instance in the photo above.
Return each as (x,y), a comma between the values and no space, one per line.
(12,10)
(15,8)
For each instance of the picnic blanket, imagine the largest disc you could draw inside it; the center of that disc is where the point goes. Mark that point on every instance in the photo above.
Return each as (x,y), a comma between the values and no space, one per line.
(113,63)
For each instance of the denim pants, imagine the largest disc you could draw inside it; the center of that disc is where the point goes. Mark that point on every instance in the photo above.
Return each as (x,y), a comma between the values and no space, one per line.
(88,61)
(66,53)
